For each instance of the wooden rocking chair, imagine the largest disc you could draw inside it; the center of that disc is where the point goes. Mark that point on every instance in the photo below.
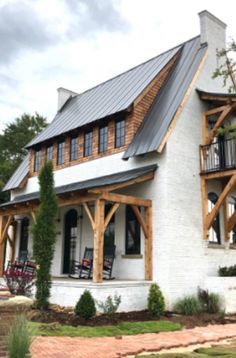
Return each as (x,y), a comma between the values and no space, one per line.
(108,260)
(84,268)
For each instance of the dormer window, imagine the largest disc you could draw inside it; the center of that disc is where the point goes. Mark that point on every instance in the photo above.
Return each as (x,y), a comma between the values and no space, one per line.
(120,133)
(37,160)
(102,144)
(60,153)
(74,148)
(49,153)
(88,143)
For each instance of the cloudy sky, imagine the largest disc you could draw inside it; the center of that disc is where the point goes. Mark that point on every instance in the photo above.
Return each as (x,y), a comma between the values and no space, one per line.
(77,44)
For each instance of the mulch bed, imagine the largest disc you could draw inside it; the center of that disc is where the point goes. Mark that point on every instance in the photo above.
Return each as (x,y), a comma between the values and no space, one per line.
(66,316)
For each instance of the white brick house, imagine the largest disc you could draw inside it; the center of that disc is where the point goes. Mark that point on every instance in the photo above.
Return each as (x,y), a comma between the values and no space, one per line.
(133,143)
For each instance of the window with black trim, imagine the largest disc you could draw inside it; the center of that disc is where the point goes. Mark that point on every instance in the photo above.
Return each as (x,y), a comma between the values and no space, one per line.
(88,143)
(73,148)
(102,142)
(120,133)
(49,153)
(109,235)
(132,233)
(60,152)
(231,209)
(214,232)
(37,160)
(24,235)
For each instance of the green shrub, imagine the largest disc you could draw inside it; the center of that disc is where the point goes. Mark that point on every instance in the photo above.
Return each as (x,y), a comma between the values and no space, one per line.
(110,306)
(85,307)
(156,302)
(211,302)
(19,339)
(227,271)
(189,305)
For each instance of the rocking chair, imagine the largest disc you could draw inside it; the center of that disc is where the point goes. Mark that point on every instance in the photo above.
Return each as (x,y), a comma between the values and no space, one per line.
(108,260)
(84,268)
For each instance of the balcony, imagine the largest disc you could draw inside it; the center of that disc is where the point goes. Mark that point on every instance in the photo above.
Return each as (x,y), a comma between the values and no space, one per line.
(218,156)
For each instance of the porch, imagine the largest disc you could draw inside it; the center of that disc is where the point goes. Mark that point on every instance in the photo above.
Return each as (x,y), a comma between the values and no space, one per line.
(94,202)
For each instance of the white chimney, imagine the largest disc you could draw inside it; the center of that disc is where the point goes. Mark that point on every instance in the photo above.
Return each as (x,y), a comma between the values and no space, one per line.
(212,29)
(63,95)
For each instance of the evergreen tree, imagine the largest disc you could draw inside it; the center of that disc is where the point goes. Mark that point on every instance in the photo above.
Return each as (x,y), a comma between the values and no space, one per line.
(44,235)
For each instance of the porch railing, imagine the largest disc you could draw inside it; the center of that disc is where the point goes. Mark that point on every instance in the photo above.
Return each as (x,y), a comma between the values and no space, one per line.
(218,156)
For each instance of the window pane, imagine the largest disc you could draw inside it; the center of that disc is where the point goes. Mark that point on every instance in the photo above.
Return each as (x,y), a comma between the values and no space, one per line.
(103,132)
(231,210)
(214,232)
(74,148)
(132,239)
(120,134)
(109,235)
(37,160)
(60,153)
(88,143)
(49,152)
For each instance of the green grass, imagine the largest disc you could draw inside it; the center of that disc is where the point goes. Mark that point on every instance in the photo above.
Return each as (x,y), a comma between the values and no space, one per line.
(199,353)
(124,328)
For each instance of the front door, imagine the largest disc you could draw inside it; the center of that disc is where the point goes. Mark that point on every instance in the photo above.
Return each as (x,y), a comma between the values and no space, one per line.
(70,239)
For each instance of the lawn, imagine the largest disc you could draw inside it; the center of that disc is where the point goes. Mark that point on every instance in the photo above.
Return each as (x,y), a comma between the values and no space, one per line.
(124,328)
(199,353)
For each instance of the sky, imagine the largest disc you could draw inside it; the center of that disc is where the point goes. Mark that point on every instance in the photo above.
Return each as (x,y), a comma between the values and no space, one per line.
(77,44)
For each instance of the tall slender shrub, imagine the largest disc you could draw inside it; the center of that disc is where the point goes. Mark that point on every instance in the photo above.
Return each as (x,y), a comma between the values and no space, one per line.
(44,235)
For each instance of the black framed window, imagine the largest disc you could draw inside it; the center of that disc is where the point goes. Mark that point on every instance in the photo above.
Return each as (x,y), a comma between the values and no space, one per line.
(74,148)
(24,235)
(37,160)
(120,133)
(231,210)
(214,232)
(61,152)
(109,234)
(132,233)
(88,143)
(49,153)
(103,135)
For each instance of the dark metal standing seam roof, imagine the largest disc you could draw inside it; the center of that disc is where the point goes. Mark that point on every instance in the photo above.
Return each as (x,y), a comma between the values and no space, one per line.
(150,134)
(89,184)
(110,97)
(19,175)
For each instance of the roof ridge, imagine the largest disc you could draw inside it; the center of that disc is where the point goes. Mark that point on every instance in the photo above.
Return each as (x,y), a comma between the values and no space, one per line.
(140,64)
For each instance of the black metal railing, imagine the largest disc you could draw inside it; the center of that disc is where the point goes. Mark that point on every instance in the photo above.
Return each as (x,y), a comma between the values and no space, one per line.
(217,156)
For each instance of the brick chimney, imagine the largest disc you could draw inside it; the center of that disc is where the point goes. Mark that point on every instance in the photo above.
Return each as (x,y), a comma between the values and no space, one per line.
(63,95)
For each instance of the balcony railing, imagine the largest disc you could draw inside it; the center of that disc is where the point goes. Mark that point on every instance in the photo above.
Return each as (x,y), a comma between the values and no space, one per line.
(218,156)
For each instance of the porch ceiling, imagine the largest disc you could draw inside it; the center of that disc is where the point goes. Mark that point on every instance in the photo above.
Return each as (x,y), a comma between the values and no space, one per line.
(108,182)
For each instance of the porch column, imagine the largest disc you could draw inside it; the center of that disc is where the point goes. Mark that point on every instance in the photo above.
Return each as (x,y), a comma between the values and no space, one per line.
(148,244)
(98,240)
(13,241)
(2,246)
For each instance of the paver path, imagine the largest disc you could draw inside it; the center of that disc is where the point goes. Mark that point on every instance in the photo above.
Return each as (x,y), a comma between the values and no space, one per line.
(111,347)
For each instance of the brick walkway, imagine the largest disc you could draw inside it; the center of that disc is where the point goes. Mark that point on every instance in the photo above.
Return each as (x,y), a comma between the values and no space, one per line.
(110,347)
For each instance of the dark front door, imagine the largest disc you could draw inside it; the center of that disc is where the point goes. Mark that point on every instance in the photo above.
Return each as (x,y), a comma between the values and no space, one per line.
(70,239)
(24,236)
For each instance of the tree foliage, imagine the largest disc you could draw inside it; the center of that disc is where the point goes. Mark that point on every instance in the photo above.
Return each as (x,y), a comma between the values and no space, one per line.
(12,142)
(227,68)
(44,235)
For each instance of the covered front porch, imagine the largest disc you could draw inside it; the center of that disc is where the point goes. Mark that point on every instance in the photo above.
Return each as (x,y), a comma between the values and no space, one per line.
(93,214)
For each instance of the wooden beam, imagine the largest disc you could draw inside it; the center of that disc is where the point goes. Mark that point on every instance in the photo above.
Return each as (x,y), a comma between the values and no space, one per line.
(98,241)
(186,96)
(5,228)
(148,244)
(204,208)
(219,175)
(110,214)
(86,208)
(140,220)
(231,222)
(218,124)
(211,216)
(13,241)
(112,187)
(224,99)
(33,216)
(125,199)
(2,243)
(225,216)
(216,110)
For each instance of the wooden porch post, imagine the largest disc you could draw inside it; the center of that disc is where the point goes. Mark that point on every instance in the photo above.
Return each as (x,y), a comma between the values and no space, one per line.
(98,240)
(148,244)
(13,241)
(2,242)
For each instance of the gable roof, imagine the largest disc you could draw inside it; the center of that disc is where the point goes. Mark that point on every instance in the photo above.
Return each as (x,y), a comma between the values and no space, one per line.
(110,97)
(154,126)
(18,176)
